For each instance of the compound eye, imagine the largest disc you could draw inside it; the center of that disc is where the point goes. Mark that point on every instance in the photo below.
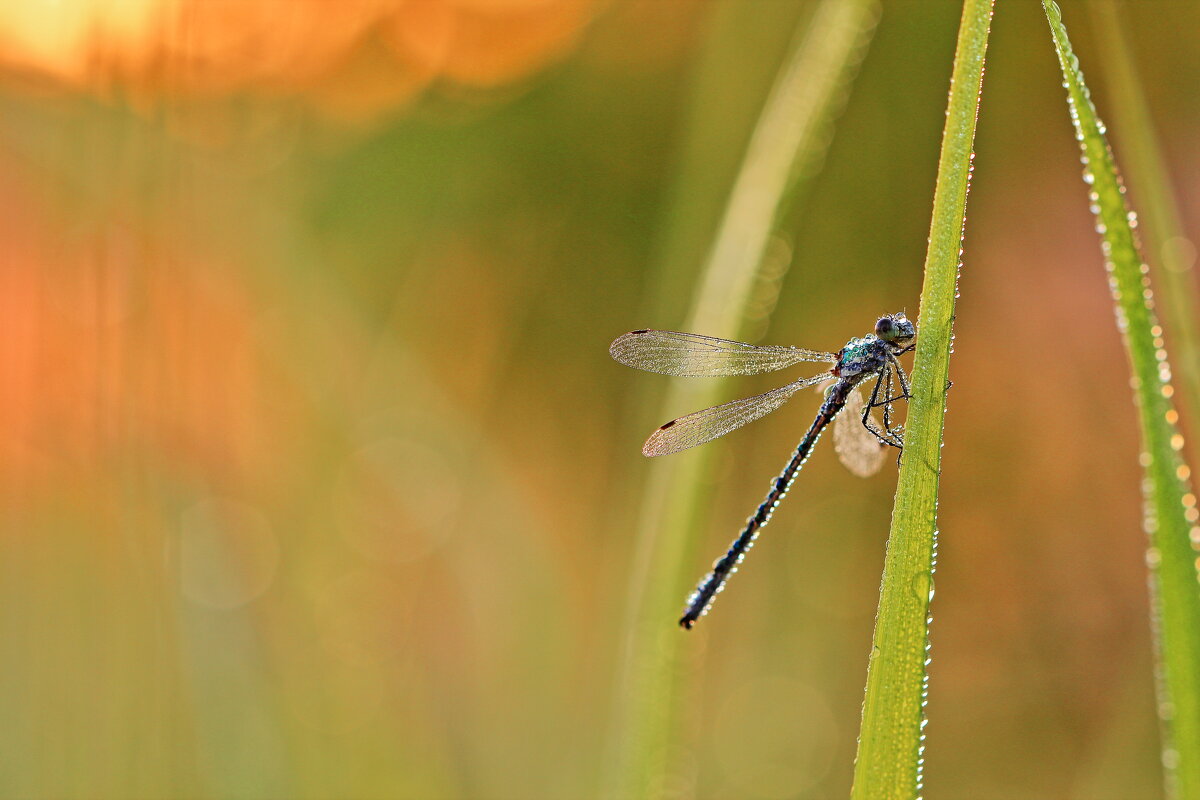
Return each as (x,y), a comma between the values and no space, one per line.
(886,329)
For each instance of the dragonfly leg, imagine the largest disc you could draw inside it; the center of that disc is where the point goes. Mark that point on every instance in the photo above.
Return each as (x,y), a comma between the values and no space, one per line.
(887,404)
(887,410)
(904,387)
(887,417)
(893,432)
(905,394)
(889,437)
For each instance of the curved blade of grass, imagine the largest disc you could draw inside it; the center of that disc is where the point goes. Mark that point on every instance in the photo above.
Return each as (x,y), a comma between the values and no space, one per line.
(807,94)
(890,743)
(1159,218)
(1171,513)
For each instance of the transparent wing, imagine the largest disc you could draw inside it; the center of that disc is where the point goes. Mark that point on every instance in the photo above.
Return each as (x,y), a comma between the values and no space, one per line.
(856,446)
(692,355)
(706,425)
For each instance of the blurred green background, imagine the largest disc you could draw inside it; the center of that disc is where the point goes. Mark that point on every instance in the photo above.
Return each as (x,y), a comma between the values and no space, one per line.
(319,482)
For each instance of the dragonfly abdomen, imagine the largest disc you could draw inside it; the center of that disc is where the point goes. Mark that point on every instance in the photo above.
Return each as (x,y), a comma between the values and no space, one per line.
(712,583)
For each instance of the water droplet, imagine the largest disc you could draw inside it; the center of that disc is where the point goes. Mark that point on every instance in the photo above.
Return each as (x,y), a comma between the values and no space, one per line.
(922,586)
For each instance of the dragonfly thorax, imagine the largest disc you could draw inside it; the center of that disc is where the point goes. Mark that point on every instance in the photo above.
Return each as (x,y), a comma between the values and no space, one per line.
(861,357)
(894,334)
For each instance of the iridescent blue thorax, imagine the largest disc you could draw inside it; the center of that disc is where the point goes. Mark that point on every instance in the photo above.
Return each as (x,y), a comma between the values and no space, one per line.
(862,357)
(894,334)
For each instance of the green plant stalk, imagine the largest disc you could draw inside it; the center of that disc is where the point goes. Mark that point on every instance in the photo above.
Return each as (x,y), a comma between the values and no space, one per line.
(807,94)
(890,743)
(1171,513)
(1159,220)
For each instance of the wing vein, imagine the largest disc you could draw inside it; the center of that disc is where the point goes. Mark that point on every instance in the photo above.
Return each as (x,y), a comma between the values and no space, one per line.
(704,426)
(693,355)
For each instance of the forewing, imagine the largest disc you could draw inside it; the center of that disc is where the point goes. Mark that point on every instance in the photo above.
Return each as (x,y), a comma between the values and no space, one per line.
(856,446)
(692,355)
(706,425)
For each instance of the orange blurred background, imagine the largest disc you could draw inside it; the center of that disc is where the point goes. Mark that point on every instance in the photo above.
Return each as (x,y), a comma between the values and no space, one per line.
(317,478)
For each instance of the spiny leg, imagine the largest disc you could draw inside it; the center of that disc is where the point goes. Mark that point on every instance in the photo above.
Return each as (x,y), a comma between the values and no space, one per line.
(905,394)
(887,415)
(887,404)
(904,386)
(887,411)
(868,423)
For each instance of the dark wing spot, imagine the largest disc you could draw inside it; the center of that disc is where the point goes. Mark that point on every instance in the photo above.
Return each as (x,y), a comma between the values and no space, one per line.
(669,424)
(631,333)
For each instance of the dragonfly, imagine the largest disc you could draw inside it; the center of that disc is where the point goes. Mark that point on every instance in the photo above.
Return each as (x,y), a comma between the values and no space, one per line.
(860,440)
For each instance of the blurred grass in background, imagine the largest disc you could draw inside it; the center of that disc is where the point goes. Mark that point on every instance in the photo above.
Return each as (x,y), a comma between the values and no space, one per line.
(318,480)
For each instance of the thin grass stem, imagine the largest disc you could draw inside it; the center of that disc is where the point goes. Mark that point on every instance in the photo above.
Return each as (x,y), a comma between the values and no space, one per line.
(1172,258)
(1171,515)
(891,741)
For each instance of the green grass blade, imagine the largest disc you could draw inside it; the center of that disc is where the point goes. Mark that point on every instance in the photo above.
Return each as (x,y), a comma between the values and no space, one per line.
(1159,220)
(1171,513)
(791,129)
(890,744)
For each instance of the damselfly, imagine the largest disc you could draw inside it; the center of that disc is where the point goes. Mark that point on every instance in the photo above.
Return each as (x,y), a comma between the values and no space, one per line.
(860,447)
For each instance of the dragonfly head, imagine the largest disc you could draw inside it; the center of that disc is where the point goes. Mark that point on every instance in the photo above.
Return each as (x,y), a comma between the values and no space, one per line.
(896,329)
